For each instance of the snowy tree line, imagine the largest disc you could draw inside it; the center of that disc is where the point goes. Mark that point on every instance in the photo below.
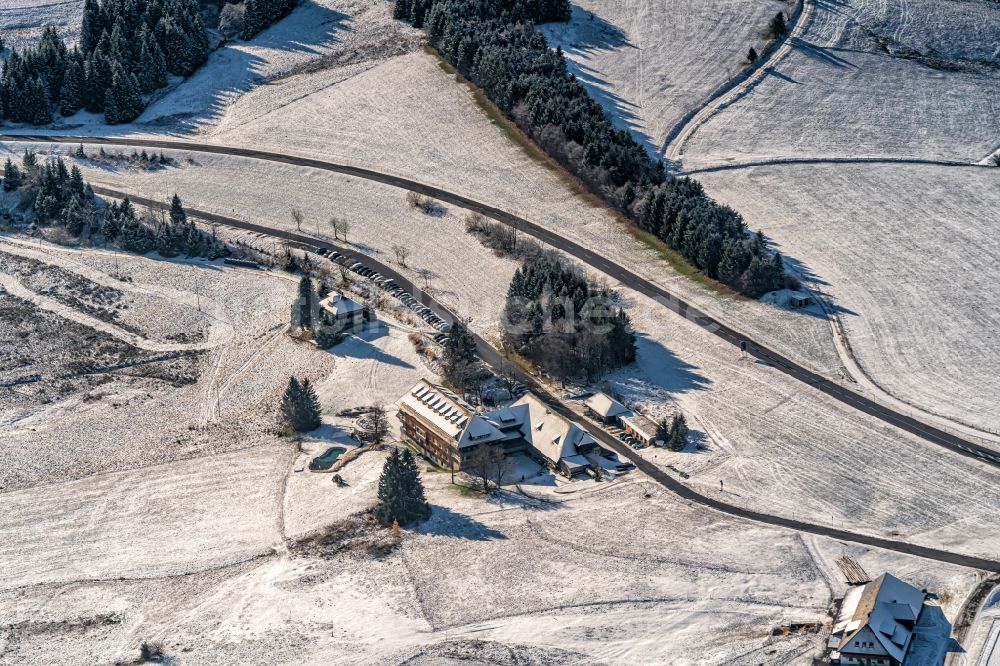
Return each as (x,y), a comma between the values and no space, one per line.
(126,50)
(565,324)
(260,14)
(58,196)
(494,44)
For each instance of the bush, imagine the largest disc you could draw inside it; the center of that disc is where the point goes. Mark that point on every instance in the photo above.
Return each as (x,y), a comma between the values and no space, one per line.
(995,160)
(426,205)
(150,651)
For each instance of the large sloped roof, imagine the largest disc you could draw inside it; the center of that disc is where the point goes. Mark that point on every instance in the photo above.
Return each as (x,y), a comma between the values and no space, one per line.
(605,406)
(341,305)
(439,407)
(889,608)
(549,433)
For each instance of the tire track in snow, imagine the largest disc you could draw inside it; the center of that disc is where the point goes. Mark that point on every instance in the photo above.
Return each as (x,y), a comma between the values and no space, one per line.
(793,161)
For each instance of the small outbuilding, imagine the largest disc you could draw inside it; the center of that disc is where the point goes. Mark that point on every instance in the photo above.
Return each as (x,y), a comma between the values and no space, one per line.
(604,408)
(639,427)
(343,314)
(800,300)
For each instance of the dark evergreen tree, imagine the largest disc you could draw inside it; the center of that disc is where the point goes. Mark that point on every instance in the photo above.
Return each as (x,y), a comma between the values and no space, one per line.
(93,26)
(400,492)
(459,352)
(177,214)
(752,55)
(300,407)
(678,432)
(11,176)
(777,27)
(305,308)
(71,92)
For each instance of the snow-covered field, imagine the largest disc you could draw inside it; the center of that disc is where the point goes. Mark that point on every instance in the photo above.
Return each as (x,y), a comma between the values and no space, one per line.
(793,445)
(784,449)
(650,64)
(512,580)
(22,21)
(909,257)
(141,507)
(896,78)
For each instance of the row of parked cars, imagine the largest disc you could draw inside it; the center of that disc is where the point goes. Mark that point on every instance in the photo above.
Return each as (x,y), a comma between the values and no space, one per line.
(389,285)
(631,441)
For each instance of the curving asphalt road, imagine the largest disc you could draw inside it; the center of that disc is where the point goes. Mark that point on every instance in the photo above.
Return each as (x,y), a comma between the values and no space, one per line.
(738,86)
(900,420)
(492,357)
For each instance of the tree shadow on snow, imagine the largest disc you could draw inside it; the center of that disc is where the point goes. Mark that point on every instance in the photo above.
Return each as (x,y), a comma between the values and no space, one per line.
(361,348)
(585,35)
(659,371)
(445,522)
(232,69)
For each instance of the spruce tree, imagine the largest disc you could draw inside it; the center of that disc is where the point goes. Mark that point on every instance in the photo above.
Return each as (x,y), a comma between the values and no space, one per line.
(678,432)
(70,94)
(459,351)
(305,304)
(177,214)
(11,176)
(93,26)
(290,402)
(300,407)
(309,407)
(400,491)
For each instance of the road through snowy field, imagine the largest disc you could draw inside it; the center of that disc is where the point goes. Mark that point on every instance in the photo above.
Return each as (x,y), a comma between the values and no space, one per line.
(906,78)
(924,330)
(651,63)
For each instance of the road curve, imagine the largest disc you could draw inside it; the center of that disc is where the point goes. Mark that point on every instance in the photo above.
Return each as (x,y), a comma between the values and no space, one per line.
(617,272)
(738,86)
(492,357)
(589,257)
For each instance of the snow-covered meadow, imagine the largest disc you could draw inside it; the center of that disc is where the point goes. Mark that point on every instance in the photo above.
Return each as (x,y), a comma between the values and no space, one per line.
(651,64)
(908,256)
(22,21)
(899,78)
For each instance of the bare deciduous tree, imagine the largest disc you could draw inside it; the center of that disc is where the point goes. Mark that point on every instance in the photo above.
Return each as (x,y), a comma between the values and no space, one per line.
(484,463)
(335,226)
(298,217)
(402,252)
(343,229)
(427,275)
(380,423)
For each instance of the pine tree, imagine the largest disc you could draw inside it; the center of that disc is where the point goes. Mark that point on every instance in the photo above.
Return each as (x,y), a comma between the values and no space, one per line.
(309,407)
(290,402)
(93,26)
(752,55)
(459,352)
(300,407)
(71,92)
(122,101)
(776,28)
(402,9)
(305,304)
(678,432)
(39,103)
(11,176)
(400,491)
(663,431)
(177,214)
